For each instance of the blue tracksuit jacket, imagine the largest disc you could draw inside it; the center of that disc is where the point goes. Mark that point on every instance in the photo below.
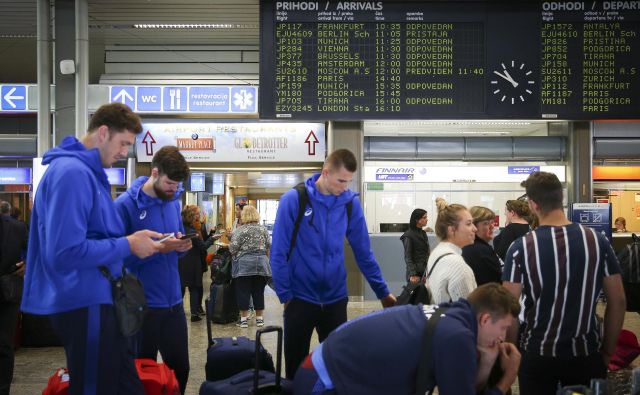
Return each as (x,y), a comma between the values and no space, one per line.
(158,273)
(74,229)
(315,271)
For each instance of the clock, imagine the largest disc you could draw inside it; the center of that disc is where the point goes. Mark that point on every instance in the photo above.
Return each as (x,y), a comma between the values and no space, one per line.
(514,84)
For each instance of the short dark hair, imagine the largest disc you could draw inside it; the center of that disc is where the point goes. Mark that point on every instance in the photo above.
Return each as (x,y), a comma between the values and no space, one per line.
(5,207)
(342,158)
(169,161)
(545,189)
(494,299)
(415,216)
(16,213)
(117,117)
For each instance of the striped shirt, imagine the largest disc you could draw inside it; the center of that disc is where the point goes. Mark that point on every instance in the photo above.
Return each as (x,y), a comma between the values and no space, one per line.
(561,269)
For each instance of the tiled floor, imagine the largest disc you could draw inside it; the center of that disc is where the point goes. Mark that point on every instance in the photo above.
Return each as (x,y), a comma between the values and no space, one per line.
(33,366)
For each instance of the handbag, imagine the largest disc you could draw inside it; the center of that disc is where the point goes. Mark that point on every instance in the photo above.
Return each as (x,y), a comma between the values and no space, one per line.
(129,301)
(11,288)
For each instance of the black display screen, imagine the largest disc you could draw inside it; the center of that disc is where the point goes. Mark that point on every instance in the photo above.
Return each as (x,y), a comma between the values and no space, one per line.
(436,60)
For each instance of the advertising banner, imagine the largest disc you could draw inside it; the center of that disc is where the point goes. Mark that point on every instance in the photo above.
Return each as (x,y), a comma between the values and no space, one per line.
(235,142)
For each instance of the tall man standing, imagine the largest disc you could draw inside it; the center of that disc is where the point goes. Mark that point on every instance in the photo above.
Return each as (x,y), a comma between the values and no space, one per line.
(561,267)
(75,229)
(13,248)
(153,203)
(311,279)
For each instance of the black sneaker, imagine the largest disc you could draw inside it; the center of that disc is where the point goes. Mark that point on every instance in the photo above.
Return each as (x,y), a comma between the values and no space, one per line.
(196,318)
(201,311)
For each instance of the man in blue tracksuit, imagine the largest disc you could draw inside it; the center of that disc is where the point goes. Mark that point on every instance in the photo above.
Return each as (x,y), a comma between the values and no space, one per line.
(379,353)
(75,229)
(154,203)
(312,281)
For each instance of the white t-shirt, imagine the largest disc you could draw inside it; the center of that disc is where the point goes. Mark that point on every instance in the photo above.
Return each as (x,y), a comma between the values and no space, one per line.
(452,278)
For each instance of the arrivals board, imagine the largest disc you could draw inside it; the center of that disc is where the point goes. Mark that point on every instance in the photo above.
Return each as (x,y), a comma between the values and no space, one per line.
(437,60)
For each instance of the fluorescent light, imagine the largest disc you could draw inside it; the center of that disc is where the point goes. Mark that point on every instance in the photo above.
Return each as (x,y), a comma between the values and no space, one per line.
(193,26)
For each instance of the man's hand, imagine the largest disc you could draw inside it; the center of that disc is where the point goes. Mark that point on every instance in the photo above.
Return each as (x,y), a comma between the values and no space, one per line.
(388,301)
(142,243)
(488,356)
(20,269)
(414,279)
(175,244)
(510,363)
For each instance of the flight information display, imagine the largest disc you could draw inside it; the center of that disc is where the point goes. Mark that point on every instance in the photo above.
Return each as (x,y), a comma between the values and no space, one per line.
(355,60)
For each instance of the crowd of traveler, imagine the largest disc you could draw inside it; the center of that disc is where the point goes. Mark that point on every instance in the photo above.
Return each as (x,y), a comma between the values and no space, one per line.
(476,343)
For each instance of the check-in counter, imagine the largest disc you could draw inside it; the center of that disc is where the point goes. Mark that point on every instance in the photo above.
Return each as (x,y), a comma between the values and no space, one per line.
(389,252)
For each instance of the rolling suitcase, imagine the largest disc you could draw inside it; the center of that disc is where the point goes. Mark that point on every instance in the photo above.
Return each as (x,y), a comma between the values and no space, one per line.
(224,308)
(227,356)
(253,381)
(58,383)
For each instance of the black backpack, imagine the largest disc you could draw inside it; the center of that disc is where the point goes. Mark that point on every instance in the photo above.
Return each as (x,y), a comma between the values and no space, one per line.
(303,201)
(629,258)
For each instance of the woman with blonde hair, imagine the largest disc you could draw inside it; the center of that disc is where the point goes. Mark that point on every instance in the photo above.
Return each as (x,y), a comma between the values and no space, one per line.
(480,256)
(250,244)
(518,221)
(448,276)
(192,264)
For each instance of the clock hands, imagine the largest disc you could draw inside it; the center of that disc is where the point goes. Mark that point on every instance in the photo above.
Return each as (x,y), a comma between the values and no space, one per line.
(507,77)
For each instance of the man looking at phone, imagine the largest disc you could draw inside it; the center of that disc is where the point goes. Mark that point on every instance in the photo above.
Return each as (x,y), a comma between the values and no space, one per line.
(74,230)
(153,203)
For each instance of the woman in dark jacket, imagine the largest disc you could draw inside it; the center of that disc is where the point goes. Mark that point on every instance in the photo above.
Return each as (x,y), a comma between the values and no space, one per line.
(416,246)
(518,215)
(480,256)
(193,263)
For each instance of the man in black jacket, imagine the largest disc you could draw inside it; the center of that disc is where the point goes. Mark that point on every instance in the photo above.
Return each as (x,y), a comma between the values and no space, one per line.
(13,246)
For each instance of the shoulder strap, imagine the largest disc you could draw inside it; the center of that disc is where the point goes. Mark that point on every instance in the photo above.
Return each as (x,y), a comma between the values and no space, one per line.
(423,371)
(436,262)
(303,200)
(349,210)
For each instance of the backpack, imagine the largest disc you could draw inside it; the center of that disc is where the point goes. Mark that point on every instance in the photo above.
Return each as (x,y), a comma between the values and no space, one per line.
(303,201)
(629,258)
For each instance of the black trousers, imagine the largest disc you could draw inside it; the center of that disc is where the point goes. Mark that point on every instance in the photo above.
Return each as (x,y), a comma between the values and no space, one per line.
(8,321)
(165,330)
(300,319)
(543,375)
(248,287)
(195,298)
(99,358)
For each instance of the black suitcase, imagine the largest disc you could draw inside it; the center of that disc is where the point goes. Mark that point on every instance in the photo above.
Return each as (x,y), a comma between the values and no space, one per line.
(253,381)
(227,356)
(224,307)
(37,331)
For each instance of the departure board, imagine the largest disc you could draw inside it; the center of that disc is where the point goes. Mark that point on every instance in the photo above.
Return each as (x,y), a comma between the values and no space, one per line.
(357,60)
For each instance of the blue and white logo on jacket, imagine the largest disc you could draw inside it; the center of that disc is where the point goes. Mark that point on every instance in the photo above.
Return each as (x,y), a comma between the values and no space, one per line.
(143,214)
(308,212)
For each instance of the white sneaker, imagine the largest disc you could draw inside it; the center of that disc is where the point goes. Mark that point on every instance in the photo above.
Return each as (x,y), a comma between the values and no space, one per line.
(242,324)
(259,322)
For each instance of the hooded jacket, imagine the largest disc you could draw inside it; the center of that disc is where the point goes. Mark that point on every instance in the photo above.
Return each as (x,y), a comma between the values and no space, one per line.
(315,271)
(362,360)
(74,229)
(158,273)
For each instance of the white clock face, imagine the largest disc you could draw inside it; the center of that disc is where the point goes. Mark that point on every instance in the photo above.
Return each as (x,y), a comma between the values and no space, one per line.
(514,82)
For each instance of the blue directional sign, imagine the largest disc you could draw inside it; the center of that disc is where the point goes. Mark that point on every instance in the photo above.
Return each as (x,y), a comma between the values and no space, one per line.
(123,94)
(244,99)
(174,98)
(149,98)
(116,175)
(208,99)
(15,176)
(13,97)
(594,215)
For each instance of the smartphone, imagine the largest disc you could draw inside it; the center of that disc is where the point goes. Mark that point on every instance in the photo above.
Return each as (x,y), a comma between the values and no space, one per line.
(166,237)
(189,236)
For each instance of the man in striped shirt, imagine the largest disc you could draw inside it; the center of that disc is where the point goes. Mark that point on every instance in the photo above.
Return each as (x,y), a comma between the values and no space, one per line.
(561,267)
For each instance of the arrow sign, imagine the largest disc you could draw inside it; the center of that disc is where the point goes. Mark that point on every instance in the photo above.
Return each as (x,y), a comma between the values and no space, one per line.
(311,142)
(124,94)
(148,141)
(13,97)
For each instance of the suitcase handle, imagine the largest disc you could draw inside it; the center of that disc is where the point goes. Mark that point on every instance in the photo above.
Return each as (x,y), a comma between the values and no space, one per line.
(208,317)
(256,370)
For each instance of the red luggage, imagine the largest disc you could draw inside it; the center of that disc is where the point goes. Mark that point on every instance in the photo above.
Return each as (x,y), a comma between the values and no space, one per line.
(58,383)
(157,378)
